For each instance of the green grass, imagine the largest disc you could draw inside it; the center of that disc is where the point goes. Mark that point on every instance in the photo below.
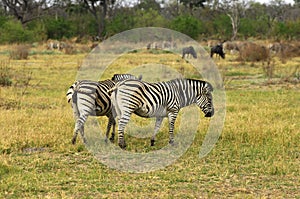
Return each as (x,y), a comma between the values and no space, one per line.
(256,156)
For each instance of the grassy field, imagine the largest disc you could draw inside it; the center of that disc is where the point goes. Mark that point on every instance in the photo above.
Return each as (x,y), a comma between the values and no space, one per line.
(256,156)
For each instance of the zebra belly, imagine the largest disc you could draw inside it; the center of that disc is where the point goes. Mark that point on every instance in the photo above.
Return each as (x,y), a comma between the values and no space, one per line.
(156,111)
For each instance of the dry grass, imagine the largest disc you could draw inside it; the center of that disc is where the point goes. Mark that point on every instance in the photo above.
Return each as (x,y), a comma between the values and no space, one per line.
(19,52)
(257,155)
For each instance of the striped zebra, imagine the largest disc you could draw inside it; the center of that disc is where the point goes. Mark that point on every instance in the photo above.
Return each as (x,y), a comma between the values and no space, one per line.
(90,98)
(159,100)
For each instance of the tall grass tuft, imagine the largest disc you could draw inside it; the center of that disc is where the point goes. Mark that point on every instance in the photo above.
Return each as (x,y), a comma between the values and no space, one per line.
(20,52)
(5,74)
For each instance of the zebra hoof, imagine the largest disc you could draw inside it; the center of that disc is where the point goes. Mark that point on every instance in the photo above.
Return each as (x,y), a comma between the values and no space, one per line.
(152,142)
(73,141)
(122,145)
(84,141)
(112,139)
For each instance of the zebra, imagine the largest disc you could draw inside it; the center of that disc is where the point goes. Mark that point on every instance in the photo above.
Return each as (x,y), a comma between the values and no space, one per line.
(218,49)
(91,98)
(189,50)
(159,100)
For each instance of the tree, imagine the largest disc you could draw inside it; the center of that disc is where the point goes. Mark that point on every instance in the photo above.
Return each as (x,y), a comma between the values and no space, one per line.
(193,3)
(26,10)
(99,9)
(235,9)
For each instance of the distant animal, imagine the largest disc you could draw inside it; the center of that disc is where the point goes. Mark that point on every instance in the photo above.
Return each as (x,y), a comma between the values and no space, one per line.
(53,45)
(218,50)
(90,98)
(189,51)
(159,100)
(167,45)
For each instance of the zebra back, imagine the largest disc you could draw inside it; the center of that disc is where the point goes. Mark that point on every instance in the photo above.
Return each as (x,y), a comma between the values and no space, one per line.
(121,77)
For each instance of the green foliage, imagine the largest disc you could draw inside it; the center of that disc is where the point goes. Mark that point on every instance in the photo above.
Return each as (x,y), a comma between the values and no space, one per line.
(254,27)
(287,30)
(3,19)
(148,18)
(188,25)
(59,28)
(12,31)
(221,26)
(121,22)
(39,30)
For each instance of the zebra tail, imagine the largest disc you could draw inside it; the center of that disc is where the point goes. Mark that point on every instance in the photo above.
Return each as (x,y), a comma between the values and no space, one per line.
(115,106)
(74,105)
(69,94)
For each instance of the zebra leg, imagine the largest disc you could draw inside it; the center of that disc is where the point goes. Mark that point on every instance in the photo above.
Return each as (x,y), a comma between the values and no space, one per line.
(124,119)
(156,128)
(79,127)
(111,121)
(172,119)
(112,138)
(75,135)
(82,134)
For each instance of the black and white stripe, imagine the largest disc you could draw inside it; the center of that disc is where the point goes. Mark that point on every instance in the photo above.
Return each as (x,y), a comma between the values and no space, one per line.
(90,98)
(159,100)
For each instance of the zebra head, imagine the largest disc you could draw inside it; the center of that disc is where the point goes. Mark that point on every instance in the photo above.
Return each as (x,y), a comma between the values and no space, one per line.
(205,100)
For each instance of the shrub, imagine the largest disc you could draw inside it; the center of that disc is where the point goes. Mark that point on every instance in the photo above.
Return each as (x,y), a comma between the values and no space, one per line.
(188,25)
(12,32)
(20,52)
(253,52)
(59,28)
(148,18)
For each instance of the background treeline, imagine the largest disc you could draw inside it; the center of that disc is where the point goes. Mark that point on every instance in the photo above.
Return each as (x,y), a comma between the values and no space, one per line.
(40,20)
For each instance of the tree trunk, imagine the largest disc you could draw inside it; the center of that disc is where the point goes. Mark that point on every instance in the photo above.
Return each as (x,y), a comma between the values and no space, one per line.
(234,24)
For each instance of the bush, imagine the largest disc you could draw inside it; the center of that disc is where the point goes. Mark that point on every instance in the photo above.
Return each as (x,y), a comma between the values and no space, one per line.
(148,18)
(188,25)
(119,23)
(59,28)
(253,52)
(254,28)
(20,52)
(12,31)
(221,26)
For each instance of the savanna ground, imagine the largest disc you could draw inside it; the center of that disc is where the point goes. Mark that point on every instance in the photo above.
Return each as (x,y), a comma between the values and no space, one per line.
(256,156)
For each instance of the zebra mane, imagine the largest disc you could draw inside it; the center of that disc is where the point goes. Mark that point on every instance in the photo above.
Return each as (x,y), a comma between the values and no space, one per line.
(210,87)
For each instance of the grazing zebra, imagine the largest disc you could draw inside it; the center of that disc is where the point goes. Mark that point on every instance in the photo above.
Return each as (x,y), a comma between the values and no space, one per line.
(159,100)
(189,51)
(218,49)
(91,98)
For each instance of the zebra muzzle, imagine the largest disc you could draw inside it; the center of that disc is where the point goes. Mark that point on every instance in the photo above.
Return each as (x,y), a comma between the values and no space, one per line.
(210,114)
